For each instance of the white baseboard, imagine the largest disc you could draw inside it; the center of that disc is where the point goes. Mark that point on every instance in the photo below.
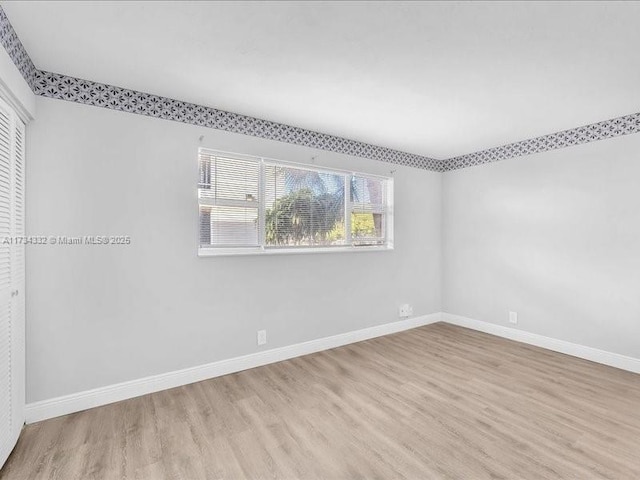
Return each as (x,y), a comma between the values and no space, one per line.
(77,402)
(588,353)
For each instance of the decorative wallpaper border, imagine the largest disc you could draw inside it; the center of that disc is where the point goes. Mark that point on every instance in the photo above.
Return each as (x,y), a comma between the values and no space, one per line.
(12,44)
(613,127)
(63,87)
(54,85)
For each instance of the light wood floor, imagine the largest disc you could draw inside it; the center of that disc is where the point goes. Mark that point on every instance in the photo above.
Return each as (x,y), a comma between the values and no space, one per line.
(434,402)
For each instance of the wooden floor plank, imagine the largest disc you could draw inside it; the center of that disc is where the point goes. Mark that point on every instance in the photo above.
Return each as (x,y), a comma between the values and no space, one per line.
(438,401)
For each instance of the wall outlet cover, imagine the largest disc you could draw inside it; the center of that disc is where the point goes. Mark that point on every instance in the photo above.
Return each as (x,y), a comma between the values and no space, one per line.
(262,337)
(513,317)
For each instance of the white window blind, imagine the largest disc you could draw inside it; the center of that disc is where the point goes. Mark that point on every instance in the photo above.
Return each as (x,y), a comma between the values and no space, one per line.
(368,206)
(303,207)
(255,205)
(228,194)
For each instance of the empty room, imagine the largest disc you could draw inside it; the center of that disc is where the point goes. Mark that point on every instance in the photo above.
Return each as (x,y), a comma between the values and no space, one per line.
(319,240)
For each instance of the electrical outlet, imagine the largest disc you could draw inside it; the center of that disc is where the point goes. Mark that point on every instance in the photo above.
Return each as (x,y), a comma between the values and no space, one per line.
(513,317)
(405,311)
(262,337)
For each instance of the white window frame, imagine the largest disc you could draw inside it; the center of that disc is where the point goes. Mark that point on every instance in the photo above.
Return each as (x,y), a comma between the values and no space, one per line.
(263,249)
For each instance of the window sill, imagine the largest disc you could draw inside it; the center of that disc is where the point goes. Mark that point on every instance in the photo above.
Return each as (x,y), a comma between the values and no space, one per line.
(226,252)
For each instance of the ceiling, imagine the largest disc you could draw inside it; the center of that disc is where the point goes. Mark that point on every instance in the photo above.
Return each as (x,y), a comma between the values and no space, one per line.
(438,79)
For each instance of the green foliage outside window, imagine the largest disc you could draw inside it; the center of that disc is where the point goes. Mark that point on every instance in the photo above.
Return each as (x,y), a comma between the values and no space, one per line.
(303,218)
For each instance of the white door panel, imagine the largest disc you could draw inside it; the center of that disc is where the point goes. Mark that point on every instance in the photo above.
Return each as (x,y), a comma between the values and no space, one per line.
(12,338)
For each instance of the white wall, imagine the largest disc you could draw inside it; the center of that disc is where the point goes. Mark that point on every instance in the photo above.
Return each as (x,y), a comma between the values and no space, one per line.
(554,236)
(99,315)
(14,89)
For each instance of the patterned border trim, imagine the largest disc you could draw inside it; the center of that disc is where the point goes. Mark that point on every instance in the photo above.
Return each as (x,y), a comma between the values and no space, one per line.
(63,87)
(72,89)
(54,85)
(613,127)
(12,44)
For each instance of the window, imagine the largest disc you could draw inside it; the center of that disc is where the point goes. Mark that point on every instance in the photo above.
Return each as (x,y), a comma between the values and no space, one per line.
(258,205)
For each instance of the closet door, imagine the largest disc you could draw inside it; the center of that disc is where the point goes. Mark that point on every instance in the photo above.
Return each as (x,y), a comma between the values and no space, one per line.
(6,154)
(12,337)
(18,395)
